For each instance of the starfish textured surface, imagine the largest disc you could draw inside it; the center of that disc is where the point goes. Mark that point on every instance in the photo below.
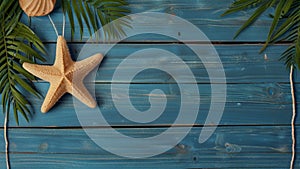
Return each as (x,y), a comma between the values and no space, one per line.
(65,76)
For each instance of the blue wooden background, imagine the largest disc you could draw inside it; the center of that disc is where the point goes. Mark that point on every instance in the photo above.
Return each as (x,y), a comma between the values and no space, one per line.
(253,133)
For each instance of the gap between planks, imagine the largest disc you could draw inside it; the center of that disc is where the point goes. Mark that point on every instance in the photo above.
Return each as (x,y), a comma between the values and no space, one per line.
(148,126)
(149,42)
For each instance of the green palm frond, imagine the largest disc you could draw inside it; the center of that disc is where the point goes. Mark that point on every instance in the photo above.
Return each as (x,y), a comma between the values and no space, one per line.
(285,25)
(97,13)
(18,44)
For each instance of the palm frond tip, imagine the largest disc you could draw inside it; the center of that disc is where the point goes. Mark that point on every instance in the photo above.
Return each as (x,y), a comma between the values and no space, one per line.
(95,14)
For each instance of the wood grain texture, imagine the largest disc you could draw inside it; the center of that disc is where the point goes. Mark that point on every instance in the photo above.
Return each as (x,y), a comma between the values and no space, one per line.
(254,132)
(202,13)
(229,147)
(242,63)
(255,104)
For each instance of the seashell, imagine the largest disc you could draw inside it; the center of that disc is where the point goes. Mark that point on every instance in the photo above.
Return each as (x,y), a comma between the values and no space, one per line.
(37,7)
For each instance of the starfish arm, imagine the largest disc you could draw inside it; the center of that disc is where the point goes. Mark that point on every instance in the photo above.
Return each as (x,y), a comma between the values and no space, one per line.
(55,92)
(63,57)
(44,72)
(84,67)
(81,93)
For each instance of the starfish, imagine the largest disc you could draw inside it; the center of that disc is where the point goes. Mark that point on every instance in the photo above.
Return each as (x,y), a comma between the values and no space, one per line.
(65,76)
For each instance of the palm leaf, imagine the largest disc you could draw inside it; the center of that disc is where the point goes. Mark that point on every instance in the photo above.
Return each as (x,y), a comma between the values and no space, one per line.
(280,10)
(285,25)
(18,44)
(95,14)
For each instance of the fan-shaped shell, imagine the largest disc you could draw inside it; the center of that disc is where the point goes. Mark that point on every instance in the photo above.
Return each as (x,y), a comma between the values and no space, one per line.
(37,7)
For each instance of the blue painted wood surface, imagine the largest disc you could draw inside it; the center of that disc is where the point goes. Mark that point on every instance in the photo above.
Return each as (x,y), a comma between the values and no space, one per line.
(254,131)
(229,147)
(203,13)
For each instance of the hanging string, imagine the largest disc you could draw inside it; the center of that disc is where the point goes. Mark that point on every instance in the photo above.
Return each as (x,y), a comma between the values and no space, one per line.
(64,24)
(6,140)
(53,24)
(293,118)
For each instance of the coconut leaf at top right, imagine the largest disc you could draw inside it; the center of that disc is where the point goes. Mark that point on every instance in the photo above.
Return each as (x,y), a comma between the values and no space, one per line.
(285,25)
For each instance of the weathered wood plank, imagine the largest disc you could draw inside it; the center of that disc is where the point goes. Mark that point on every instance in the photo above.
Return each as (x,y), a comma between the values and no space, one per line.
(242,63)
(204,14)
(229,147)
(255,104)
(254,131)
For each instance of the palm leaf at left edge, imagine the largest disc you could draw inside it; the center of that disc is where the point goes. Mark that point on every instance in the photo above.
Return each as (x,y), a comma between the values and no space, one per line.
(18,44)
